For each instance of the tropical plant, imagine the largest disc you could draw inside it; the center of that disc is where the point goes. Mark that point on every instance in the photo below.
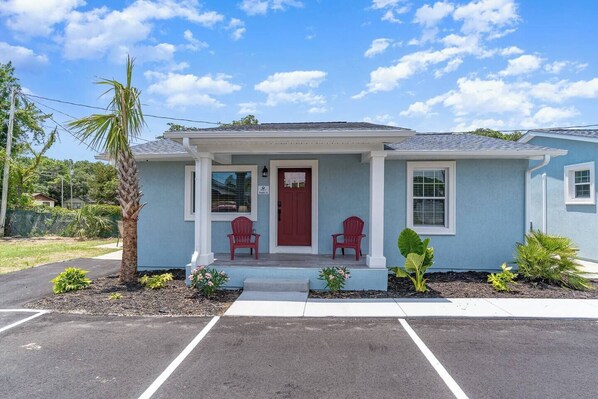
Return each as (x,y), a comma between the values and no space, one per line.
(115,296)
(418,258)
(112,133)
(89,223)
(501,281)
(71,279)
(156,281)
(550,258)
(334,277)
(207,280)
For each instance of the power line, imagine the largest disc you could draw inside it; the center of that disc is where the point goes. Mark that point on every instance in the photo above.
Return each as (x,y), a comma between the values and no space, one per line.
(103,109)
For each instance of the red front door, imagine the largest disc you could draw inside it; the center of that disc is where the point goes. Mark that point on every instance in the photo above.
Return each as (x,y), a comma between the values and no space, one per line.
(294,207)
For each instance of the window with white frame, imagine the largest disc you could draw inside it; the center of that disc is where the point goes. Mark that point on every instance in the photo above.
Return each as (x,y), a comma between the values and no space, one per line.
(234,192)
(431,197)
(580,184)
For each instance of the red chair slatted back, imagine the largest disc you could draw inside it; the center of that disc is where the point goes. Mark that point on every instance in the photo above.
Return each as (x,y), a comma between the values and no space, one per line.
(242,229)
(352,229)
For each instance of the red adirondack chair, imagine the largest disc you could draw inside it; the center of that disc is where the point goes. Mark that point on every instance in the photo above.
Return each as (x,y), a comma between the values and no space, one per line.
(241,236)
(352,235)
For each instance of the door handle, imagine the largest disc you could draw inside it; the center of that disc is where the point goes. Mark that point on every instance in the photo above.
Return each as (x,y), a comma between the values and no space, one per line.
(279,210)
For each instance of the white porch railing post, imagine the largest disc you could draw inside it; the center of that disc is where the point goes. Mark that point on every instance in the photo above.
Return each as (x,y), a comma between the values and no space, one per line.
(376,232)
(203,212)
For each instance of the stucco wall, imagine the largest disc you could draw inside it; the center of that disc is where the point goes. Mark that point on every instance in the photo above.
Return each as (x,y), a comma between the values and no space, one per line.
(578,222)
(490,206)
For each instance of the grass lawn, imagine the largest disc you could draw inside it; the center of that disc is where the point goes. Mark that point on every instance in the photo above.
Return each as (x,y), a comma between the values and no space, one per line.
(23,253)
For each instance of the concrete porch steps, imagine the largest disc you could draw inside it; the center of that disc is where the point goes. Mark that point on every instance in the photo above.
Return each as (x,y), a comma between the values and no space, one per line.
(275,285)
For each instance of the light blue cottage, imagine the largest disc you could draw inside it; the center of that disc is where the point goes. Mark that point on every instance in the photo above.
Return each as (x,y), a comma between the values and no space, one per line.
(563,193)
(465,192)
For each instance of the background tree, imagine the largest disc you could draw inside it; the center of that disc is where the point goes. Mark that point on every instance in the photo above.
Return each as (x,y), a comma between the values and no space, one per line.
(112,133)
(497,134)
(246,120)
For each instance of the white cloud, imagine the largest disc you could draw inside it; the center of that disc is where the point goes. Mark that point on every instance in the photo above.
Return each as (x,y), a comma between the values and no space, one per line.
(390,7)
(194,44)
(95,33)
(557,67)
(549,116)
(418,108)
(513,50)
(237,27)
(247,108)
(36,18)
(430,16)
(292,87)
(20,56)
(486,16)
(379,4)
(317,110)
(489,123)
(451,66)
(521,65)
(384,119)
(261,7)
(183,90)
(378,46)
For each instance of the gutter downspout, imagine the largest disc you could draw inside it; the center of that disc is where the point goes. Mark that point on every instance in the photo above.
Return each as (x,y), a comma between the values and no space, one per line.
(528,193)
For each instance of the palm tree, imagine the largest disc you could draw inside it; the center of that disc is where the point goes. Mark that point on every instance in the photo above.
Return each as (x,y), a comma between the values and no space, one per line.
(112,134)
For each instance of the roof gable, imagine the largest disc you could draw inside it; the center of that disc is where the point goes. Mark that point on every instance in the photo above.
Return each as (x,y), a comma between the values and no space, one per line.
(590,135)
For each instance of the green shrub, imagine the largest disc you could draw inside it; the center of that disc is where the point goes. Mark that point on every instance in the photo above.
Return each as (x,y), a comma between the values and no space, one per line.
(501,281)
(115,296)
(156,281)
(418,258)
(334,277)
(71,279)
(551,259)
(88,223)
(207,280)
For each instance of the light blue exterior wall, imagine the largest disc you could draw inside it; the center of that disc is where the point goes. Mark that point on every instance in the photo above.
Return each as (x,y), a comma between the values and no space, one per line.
(489,220)
(578,222)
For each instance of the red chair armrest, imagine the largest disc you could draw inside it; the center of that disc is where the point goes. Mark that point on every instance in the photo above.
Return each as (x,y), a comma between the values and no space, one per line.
(336,235)
(255,234)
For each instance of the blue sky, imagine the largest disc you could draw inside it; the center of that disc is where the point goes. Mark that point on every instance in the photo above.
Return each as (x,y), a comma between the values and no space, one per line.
(430,66)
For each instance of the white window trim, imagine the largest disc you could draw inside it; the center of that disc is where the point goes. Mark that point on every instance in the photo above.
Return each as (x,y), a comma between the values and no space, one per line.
(273,239)
(569,184)
(217,216)
(451,197)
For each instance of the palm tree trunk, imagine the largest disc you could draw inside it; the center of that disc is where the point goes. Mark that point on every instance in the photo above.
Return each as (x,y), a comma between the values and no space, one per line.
(129,197)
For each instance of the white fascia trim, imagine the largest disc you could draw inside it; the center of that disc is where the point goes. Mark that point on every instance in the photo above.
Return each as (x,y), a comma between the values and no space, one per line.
(528,136)
(451,197)
(273,235)
(569,184)
(216,216)
(499,154)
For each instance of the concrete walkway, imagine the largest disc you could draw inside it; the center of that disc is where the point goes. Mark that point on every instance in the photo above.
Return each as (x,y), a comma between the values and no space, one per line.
(274,305)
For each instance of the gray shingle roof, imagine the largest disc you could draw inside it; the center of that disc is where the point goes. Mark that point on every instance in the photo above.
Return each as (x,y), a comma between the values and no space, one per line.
(300,126)
(587,133)
(459,142)
(160,146)
(422,142)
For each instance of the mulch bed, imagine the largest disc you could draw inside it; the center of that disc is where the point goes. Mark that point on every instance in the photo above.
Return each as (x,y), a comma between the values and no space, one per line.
(462,285)
(176,299)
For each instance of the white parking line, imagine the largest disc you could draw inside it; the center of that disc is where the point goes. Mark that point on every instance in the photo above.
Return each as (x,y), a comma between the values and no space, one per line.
(179,359)
(37,314)
(446,377)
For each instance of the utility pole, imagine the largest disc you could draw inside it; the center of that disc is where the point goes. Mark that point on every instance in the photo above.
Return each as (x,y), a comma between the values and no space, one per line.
(72,173)
(11,118)
(62,191)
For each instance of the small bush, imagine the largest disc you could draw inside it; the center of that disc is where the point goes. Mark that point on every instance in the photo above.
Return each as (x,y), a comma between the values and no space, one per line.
(501,281)
(551,259)
(207,280)
(418,258)
(334,277)
(156,281)
(115,296)
(88,223)
(71,279)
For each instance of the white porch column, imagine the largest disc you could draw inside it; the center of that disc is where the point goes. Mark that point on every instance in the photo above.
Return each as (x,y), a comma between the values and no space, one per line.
(376,234)
(203,254)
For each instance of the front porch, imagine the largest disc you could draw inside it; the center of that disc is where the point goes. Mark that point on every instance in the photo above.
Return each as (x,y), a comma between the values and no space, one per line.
(298,266)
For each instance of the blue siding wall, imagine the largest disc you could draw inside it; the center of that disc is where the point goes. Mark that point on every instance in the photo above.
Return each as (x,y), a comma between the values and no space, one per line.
(490,206)
(578,222)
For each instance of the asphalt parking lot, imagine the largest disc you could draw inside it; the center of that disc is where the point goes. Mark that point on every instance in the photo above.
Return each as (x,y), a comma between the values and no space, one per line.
(75,356)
